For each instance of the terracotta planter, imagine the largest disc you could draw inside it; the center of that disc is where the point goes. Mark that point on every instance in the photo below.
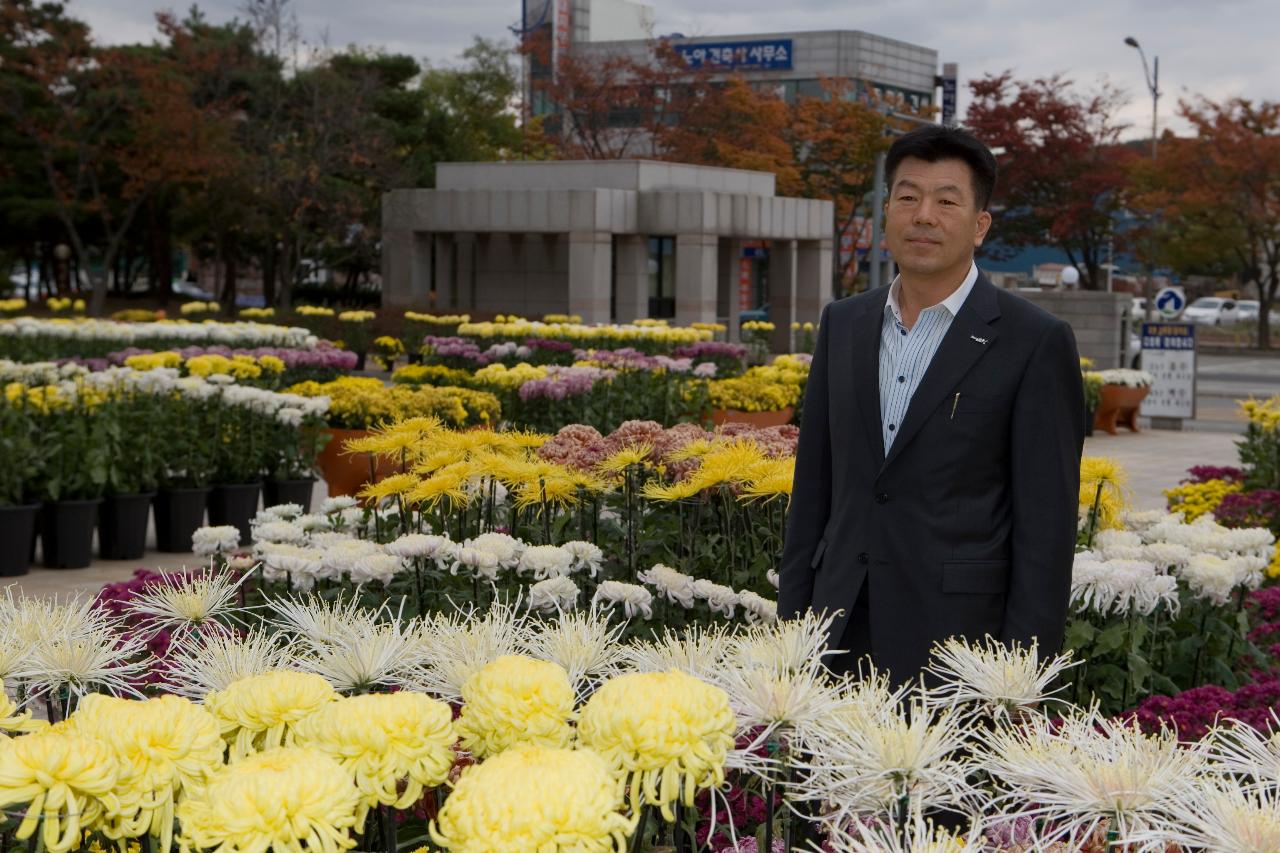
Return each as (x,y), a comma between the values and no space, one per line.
(756,419)
(1118,406)
(347,473)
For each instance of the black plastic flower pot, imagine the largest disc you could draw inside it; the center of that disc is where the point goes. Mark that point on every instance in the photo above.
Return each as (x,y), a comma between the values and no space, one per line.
(235,504)
(178,513)
(66,533)
(122,526)
(18,532)
(276,492)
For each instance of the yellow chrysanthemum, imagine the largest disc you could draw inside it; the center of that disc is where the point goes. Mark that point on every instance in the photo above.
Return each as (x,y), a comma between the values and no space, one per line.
(395,485)
(164,746)
(11,720)
(679,490)
(66,781)
(1196,499)
(663,733)
(1102,479)
(620,460)
(513,700)
(258,712)
(382,739)
(286,800)
(773,477)
(533,798)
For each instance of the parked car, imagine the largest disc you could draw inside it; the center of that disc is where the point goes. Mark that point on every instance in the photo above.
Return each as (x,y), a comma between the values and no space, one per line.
(191,290)
(1213,311)
(1139,308)
(1247,311)
(759,315)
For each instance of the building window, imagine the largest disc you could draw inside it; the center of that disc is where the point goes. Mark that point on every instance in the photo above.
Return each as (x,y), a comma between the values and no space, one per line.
(662,277)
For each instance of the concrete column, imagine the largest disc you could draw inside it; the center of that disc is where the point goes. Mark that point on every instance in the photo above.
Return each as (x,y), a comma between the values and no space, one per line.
(590,265)
(464,272)
(696,278)
(727,305)
(813,279)
(445,289)
(632,265)
(397,268)
(782,292)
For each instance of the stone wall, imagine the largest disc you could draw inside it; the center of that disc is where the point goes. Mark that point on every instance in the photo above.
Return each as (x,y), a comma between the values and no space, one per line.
(1098,320)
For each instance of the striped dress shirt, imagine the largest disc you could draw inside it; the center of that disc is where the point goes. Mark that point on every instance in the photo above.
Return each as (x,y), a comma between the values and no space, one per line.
(905,353)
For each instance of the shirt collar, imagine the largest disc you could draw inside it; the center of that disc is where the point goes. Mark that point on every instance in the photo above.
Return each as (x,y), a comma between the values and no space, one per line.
(952,303)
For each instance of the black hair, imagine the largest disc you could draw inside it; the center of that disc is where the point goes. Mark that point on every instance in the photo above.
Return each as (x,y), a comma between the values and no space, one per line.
(939,142)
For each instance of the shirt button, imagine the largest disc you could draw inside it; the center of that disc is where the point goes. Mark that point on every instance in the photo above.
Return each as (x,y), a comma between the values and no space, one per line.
(882,498)
(892,427)
(864,558)
(902,331)
(902,379)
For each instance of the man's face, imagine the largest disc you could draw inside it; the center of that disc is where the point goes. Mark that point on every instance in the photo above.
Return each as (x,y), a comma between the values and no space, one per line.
(932,222)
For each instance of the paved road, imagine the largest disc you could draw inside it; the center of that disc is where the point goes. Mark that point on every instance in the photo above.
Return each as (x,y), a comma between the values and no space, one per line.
(1221,380)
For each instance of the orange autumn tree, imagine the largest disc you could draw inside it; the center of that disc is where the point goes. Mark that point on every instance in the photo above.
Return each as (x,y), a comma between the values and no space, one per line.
(1216,196)
(111,126)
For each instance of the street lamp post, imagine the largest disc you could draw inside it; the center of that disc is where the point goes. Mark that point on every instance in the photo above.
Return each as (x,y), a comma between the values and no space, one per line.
(1152,75)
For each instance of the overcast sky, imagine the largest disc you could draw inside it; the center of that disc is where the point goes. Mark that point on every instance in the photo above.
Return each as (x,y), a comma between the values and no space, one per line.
(1218,48)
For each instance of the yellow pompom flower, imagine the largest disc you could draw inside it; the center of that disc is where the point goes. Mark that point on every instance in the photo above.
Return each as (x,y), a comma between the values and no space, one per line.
(65,779)
(286,800)
(534,798)
(164,746)
(516,700)
(258,712)
(1196,499)
(662,733)
(271,363)
(383,738)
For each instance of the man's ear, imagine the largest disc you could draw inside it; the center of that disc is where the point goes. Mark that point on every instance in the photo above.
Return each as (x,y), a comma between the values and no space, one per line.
(984,225)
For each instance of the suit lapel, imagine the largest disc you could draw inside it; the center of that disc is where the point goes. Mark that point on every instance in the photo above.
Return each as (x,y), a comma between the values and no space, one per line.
(968,339)
(866,370)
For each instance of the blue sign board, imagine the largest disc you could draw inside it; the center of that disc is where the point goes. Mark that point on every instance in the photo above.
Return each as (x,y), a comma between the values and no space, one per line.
(770,55)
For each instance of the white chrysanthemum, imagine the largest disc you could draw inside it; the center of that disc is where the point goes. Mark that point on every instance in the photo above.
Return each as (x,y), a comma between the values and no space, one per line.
(374,655)
(1221,816)
(634,600)
(455,645)
(506,549)
(1121,586)
(312,522)
(1166,555)
(222,539)
(919,835)
(279,531)
(584,644)
(545,561)
(1082,772)
(202,664)
(587,556)
(1214,578)
(327,538)
(418,545)
(554,595)
(866,759)
(95,659)
(997,680)
(340,558)
(720,598)
(376,567)
(321,621)
(278,512)
(300,566)
(772,577)
(696,651)
(672,585)
(203,602)
(338,504)
(1105,539)
(757,608)
(478,562)
(1239,748)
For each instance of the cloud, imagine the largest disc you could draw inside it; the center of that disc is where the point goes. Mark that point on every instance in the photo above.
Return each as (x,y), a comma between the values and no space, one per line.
(1217,49)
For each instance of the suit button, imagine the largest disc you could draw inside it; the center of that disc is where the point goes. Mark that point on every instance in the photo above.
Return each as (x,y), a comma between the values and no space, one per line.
(882,498)
(864,558)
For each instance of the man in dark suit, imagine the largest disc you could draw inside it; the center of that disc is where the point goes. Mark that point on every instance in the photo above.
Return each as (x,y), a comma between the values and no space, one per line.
(938,466)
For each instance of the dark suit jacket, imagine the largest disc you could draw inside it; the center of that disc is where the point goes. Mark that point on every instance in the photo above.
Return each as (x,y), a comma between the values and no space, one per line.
(968,527)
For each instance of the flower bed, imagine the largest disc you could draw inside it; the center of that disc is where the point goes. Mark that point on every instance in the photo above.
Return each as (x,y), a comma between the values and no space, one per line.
(29,339)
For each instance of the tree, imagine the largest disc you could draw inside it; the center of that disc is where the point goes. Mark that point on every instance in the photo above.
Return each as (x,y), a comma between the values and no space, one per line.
(1218,195)
(1063,172)
(111,126)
